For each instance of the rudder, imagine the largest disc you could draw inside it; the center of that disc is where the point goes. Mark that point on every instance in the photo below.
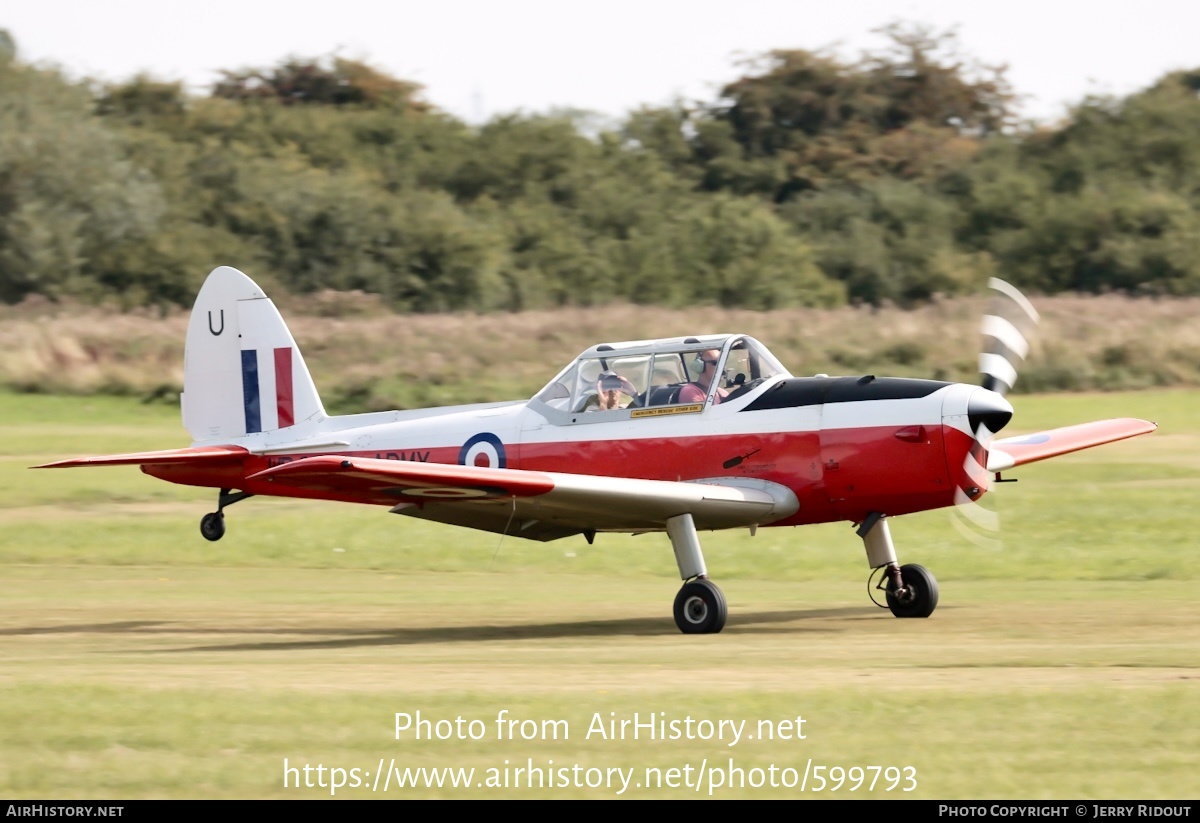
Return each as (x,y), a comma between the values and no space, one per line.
(243,372)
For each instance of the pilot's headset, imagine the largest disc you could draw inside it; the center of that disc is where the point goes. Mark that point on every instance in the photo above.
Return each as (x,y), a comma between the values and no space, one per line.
(699,362)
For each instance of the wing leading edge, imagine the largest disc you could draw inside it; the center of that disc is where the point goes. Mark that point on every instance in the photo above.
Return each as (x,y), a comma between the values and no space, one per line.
(1030,448)
(539,505)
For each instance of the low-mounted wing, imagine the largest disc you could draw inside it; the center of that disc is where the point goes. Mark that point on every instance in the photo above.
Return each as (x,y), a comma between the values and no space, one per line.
(391,480)
(1030,448)
(533,504)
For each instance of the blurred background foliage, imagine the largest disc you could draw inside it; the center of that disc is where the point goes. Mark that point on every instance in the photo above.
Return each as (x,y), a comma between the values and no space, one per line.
(811,181)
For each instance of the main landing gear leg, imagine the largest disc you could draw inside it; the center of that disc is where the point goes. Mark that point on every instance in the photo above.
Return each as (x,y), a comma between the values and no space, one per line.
(212,525)
(911,590)
(700,606)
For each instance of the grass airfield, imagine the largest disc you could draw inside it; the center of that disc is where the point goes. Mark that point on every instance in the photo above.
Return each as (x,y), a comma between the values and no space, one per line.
(139,661)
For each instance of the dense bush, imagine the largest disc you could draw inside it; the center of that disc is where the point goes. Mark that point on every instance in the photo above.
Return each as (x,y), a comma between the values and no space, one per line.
(810,181)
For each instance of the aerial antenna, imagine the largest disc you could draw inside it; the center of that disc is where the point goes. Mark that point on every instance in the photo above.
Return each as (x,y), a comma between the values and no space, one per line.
(504,533)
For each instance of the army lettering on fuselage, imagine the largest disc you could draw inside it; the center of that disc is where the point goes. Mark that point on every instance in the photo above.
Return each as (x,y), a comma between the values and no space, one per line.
(409,456)
(415,457)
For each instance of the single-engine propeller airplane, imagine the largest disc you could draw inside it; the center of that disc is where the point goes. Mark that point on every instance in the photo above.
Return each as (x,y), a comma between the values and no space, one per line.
(680,435)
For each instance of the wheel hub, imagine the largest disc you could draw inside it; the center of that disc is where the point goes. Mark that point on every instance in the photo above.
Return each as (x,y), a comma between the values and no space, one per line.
(696,610)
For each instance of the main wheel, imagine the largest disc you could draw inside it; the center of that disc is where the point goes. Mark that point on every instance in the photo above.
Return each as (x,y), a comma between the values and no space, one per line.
(700,608)
(212,525)
(921,597)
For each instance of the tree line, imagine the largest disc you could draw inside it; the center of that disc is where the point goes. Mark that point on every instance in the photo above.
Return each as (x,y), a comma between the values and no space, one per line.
(812,180)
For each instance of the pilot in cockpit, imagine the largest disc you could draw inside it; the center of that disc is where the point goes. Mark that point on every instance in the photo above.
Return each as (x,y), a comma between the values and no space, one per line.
(697,390)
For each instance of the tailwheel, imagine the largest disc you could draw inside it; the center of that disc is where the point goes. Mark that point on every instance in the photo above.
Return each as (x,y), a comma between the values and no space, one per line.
(700,607)
(917,593)
(212,526)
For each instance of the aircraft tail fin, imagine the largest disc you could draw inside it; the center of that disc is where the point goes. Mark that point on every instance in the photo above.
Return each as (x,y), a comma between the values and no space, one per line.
(243,372)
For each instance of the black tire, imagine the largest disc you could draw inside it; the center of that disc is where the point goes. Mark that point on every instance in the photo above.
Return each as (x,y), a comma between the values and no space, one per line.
(922,596)
(700,608)
(212,526)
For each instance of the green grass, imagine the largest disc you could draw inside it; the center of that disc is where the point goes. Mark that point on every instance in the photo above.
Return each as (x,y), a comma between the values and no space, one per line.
(138,660)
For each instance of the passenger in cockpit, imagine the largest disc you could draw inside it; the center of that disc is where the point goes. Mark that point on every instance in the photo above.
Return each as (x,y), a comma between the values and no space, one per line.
(614,391)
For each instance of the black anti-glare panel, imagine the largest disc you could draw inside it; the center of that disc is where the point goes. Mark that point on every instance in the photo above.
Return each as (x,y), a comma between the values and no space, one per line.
(813,391)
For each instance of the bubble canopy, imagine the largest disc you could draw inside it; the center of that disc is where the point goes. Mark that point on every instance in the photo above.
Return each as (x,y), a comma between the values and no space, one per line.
(646,373)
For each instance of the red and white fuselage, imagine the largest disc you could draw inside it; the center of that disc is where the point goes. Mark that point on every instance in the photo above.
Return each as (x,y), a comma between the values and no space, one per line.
(899,447)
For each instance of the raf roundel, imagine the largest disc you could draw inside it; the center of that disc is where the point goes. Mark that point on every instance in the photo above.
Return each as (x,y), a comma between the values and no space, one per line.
(449,493)
(485,451)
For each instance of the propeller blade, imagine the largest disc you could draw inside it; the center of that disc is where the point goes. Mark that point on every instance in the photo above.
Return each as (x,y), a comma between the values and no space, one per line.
(1008,326)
